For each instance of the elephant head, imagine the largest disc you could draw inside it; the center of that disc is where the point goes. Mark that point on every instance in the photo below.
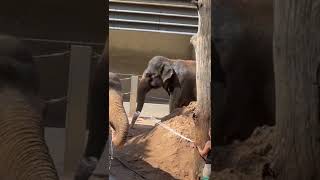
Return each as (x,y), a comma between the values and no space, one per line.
(158,74)
(117,116)
(24,153)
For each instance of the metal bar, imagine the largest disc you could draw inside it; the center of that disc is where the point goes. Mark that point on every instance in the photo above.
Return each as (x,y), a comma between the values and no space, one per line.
(166,4)
(78,89)
(153,22)
(147,30)
(152,13)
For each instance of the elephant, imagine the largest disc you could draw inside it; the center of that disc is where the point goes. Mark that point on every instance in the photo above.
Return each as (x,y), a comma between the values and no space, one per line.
(176,77)
(218,85)
(117,115)
(243,36)
(24,152)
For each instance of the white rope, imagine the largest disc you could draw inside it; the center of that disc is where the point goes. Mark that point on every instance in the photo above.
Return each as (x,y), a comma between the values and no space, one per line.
(126,93)
(174,132)
(167,127)
(52,55)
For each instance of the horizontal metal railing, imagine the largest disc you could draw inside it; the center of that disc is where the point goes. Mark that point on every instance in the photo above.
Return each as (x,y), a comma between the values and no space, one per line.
(153,16)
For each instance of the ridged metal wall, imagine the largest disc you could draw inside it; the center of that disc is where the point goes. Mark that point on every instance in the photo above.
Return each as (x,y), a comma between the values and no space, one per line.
(175,17)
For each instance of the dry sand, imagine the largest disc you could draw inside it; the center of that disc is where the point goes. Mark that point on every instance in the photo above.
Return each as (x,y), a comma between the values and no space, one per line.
(153,152)
(156,153)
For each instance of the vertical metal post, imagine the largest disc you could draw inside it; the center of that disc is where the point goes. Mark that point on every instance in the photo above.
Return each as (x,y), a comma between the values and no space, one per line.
(76,118)
(133,94)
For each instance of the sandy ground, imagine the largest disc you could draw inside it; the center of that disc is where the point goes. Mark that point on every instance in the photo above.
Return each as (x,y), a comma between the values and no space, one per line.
(153,152)
(121,169)
(55,138)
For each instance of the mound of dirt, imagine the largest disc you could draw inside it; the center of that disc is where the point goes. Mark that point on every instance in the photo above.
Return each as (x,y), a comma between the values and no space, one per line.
(159,153)
(245,160)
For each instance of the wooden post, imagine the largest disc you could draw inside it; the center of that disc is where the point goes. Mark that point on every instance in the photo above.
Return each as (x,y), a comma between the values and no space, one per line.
(133,94)
(202,45)
(78,89)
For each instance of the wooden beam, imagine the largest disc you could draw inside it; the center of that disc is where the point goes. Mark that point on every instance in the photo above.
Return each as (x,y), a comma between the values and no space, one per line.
(133,94)
(78,89)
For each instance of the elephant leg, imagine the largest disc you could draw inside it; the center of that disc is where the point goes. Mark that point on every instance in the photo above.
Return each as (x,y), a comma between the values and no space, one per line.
(171,103)
(174,101)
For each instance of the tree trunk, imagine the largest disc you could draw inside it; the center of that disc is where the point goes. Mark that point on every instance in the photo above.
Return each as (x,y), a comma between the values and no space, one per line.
(202,46)
(296,61)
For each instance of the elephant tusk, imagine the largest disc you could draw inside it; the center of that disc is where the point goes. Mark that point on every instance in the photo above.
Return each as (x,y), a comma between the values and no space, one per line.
(134,118)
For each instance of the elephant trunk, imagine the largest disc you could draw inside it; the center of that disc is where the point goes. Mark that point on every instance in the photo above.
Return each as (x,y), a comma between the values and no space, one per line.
(118,118)
(143,88)
(24,153)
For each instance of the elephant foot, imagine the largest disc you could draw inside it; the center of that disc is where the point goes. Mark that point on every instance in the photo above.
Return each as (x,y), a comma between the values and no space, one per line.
(86,168)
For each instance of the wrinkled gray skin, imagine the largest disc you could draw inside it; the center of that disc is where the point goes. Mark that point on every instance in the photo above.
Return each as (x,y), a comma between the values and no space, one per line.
(177,77)
(117,116)
(24,154)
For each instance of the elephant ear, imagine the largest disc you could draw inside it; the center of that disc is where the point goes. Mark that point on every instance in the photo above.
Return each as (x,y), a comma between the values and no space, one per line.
(144,75)
(166,72)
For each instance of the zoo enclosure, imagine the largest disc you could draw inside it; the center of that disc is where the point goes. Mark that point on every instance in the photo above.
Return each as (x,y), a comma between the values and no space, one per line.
(142,29)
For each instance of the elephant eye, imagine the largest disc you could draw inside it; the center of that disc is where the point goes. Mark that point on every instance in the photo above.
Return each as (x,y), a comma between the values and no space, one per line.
(148,74)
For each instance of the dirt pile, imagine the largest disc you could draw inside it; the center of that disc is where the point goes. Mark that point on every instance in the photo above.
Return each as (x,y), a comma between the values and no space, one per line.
(160,154)
(155,153)
(245,160)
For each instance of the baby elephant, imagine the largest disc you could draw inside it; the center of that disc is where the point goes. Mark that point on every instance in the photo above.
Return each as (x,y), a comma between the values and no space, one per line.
(177,77)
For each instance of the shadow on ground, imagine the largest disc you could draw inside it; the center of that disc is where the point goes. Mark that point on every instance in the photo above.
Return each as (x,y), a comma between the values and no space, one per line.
(132,156)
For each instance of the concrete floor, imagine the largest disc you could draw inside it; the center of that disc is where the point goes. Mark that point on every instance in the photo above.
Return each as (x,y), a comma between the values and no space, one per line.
(55,137)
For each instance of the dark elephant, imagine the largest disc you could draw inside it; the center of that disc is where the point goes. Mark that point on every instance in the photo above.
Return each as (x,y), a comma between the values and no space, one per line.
(218,85)
(243,36)
(177,77)
(24,153)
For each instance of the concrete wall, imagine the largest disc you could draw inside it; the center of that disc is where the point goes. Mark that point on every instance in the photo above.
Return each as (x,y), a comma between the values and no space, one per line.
(130,52)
